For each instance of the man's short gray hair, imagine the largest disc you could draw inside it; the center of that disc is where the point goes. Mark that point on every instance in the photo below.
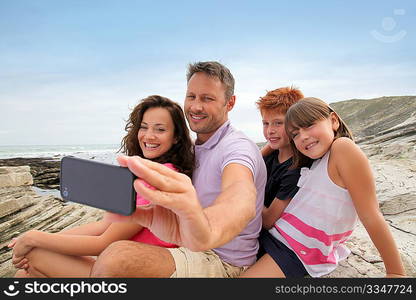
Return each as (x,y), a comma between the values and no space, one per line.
(214,69)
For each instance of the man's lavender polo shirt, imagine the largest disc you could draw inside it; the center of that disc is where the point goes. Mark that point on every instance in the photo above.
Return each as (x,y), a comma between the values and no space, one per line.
(226,146)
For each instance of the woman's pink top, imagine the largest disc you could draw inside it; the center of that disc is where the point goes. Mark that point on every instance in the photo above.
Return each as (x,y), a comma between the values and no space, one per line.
(145,235)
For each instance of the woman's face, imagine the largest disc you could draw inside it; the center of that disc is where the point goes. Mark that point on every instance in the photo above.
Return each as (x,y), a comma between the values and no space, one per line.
(156,133)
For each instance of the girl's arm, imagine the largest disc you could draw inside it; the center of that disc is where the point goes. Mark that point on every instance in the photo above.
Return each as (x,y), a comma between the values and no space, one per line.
(273,212)
(355,173)
(69,244)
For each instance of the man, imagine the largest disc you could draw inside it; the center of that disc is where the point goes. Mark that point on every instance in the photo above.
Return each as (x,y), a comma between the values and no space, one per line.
(220,211)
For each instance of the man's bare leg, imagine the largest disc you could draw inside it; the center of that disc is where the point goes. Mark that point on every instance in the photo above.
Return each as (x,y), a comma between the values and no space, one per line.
(133,259)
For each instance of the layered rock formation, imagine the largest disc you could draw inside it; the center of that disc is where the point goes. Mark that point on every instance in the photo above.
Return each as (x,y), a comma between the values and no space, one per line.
(45,171)
(22,209)
(384,127)
(369,118)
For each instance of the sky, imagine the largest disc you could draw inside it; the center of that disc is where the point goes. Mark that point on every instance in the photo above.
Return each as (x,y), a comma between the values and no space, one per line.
(71,71)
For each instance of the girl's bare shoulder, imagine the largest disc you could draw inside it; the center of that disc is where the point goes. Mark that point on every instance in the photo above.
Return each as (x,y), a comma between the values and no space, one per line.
(348,150)
(343,144)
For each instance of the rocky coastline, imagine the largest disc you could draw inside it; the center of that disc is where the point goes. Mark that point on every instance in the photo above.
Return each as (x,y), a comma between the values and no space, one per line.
(23,209)
(45,170)
(392,155)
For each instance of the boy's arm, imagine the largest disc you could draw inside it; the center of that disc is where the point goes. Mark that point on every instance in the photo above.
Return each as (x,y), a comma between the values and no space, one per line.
(286,191)
(273,212)
(266,150)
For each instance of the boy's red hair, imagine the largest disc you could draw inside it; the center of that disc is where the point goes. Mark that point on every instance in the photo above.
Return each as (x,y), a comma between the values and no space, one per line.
(279,99)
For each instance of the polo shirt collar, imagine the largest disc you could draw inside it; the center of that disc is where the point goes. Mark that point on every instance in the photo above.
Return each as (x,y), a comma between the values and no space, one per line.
(216,137)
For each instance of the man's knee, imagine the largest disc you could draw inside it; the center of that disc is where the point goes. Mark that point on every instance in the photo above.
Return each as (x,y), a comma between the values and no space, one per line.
(108,262)
(133,259)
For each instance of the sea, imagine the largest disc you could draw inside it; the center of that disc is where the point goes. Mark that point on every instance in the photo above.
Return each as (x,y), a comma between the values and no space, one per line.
(101,152)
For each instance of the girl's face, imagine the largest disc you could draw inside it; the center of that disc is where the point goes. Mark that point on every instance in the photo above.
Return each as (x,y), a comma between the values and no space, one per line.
(156,133)
(314,141)
(274,129)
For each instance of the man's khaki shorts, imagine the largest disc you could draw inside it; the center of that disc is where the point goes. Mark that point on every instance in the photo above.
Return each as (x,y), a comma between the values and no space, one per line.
(205,264)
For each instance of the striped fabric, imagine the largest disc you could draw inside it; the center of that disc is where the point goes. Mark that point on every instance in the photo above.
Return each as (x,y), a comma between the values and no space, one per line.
(317,221)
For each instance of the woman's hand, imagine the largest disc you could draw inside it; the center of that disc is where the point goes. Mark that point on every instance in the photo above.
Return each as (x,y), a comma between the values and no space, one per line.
(18,262)
(21,247)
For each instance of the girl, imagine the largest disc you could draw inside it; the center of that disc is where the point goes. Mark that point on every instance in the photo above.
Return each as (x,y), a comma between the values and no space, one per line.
(156,130)
(336,191)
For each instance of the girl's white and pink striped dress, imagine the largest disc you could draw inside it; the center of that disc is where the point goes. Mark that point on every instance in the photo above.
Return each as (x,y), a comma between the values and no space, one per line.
(318,220)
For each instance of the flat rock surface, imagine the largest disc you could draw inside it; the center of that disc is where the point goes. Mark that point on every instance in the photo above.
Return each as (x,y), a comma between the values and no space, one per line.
(396,191)
(45,171)
(22,209)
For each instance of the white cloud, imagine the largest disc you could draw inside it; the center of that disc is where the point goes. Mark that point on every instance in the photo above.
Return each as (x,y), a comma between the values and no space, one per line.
(59,108)
(316,79)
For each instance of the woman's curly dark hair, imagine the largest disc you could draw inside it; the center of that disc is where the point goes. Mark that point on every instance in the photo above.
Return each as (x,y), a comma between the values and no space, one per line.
(181,155)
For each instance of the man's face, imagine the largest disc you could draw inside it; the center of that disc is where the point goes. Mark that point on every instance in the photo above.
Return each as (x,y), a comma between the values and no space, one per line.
(206,108)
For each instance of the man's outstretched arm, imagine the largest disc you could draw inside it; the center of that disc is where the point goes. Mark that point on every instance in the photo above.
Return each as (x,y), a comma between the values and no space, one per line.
(176,214)
(234,207)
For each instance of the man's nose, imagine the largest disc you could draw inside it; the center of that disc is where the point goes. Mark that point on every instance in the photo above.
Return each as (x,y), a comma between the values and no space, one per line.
(197,105)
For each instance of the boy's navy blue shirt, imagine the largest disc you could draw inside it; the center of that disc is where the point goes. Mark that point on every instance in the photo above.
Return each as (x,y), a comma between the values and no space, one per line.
(281,182)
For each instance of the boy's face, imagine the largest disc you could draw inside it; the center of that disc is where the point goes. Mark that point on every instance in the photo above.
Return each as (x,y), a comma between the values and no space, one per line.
(274,129)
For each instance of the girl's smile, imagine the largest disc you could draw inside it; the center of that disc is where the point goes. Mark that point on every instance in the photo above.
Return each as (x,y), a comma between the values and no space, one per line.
(309,146)
(315,140)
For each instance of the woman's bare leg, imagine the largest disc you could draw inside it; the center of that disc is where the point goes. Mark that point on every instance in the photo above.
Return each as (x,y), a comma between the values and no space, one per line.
(22,273)
(265,267)
(45,263)
(29,273)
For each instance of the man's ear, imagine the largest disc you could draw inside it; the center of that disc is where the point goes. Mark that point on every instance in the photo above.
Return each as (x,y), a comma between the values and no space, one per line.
(231,103)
